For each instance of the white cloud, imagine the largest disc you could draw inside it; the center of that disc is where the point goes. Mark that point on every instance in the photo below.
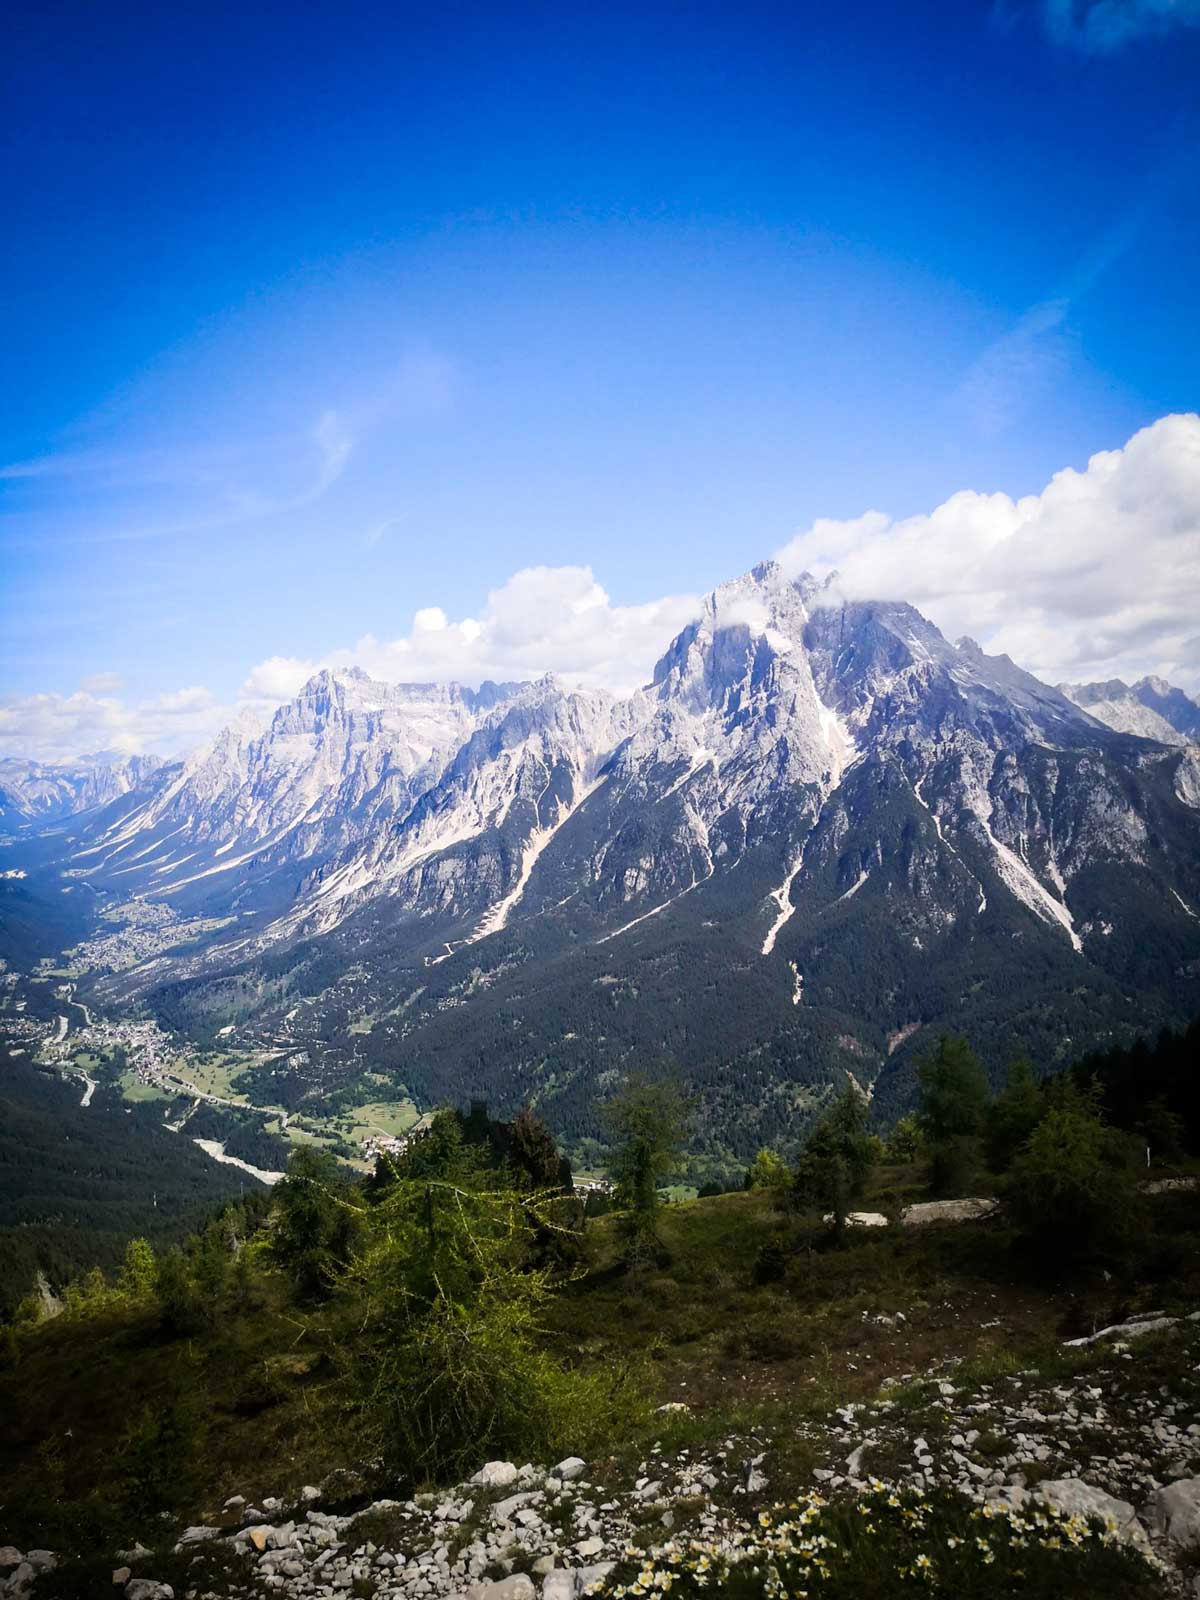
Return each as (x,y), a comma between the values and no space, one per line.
(276,679)
(544,619)
(1097,576)
(57,727)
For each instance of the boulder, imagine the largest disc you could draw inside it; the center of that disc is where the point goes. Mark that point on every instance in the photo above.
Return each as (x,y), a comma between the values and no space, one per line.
(573,1467)
(20,1579)
(558,1585)
(121,1575)
(148,1589)
(1074,1498)
(10,1557)
(1175,1512)
(927,1211)
(518,1587)
(197,1535)
(41,1560)
(495,1475)
(258,1536)
(504,1509)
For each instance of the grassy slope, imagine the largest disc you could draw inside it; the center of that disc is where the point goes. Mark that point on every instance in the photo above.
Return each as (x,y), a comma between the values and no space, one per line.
(708,1335)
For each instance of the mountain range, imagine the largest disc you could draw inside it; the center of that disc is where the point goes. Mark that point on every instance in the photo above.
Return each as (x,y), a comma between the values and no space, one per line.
(35,791)
(819,835)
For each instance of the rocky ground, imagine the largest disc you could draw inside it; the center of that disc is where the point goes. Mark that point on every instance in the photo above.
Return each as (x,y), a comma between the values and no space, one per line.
(1113,1432)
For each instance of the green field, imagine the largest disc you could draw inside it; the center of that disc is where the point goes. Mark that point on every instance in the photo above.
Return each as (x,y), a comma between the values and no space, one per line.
(392,1117)
(132,1088)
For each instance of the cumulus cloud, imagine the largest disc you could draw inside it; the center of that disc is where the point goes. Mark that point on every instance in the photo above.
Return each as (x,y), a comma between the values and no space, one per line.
(1097,576)
(60,727)
(544,619)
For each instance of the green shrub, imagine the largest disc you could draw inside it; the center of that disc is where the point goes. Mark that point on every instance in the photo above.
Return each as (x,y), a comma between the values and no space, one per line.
(768,1170)
(1072,1191)
(452,1364)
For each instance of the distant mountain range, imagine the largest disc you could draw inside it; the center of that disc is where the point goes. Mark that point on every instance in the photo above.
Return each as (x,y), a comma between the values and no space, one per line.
(1152,708)
(34,791)
(820,834)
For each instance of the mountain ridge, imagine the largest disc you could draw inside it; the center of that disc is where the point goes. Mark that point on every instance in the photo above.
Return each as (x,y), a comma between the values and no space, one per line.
(820,827)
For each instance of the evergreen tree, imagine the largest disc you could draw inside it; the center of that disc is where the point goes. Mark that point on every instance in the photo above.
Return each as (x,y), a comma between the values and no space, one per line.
(136,1280)
(180,1306)
(1162,1133)
(768,1170)
(904,1141)
(954,1098)
(450,1367)
(1073,1189)
(315,1227)
(1013,1115)
(533,1154)
(837,1160)
(649,1122)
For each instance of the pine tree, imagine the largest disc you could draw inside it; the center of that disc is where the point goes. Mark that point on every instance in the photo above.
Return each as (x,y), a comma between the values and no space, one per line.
(1072,1190)
(1013,1115)
(314,1228)
(136,1279)
(649,1121)
(833,1170)
(954,1099)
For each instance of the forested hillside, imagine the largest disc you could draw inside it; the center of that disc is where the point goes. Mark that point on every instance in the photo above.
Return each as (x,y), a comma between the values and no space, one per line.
(76,1184)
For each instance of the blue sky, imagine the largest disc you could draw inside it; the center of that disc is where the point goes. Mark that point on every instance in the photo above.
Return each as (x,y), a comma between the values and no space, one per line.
(317,317)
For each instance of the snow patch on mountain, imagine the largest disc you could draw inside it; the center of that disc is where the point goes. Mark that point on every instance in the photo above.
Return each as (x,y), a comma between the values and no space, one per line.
(1017,875)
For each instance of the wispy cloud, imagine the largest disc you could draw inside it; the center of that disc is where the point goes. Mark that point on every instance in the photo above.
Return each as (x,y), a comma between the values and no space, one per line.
(376,532)
(221,480)
(168,491)
(1098,27)
(1037,350)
